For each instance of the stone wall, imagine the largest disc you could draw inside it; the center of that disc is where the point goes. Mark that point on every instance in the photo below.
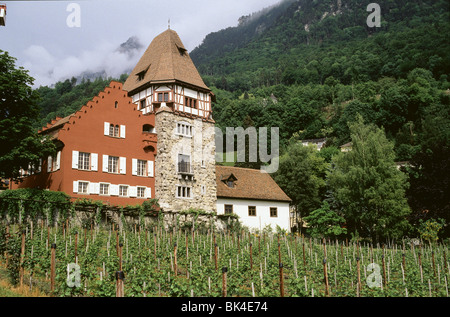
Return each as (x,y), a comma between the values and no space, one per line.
(200,147)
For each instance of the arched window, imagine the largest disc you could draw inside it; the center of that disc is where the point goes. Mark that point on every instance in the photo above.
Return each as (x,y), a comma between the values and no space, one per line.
(116,131)
(111,130)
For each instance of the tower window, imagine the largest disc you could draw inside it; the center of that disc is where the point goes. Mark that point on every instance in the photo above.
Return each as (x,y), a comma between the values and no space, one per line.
(163,97)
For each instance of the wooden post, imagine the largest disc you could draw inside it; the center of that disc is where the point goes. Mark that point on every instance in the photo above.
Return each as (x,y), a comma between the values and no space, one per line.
(384,271)
(325,274)
(76,245)
(6,244)
(251,257)
(187,247)
(215,255)
(281,280)
(22,257)
(175,258)
(359,276)
(117,243)
(154,238)
(304,259)
(224,281)
(434,264)
(53,268)
(120,256)
(403,261)
(119,285)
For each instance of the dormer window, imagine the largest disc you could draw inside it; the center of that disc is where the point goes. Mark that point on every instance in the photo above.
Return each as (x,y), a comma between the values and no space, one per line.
(182,50)
(229,180)
(141,76)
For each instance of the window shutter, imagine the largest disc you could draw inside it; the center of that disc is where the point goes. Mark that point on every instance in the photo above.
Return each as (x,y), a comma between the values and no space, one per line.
(49,164)
(75,159)
(94,162)
(114,190)
(105,163)
(75,186)
(106,129)
(122,131)
(58,160)
(123,165)
(133,166)
(150,168)
(94,188)
(148,192)
(132,190)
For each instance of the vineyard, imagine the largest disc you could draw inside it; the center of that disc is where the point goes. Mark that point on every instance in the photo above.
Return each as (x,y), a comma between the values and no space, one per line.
(102,260)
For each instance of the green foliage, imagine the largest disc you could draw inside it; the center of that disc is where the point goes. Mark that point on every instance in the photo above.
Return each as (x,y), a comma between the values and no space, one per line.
(20,144)
(324,222)
(301,176)
(367,187)
(429,229)
(30,202)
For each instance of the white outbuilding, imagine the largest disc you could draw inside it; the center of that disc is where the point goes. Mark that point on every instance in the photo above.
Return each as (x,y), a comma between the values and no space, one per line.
(252,195)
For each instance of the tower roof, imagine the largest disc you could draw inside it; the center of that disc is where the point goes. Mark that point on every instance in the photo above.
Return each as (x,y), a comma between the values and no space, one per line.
(166,60)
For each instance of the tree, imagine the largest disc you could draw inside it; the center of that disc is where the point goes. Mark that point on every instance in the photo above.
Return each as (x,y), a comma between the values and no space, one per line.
(429,171)
(367,187)
(301,174)
(20,144)
(324,222)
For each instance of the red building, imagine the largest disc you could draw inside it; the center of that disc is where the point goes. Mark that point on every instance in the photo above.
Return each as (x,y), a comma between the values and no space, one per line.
(105,151)
(108,149)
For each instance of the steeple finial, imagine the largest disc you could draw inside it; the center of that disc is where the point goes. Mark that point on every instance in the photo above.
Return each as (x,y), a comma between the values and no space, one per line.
(169,24)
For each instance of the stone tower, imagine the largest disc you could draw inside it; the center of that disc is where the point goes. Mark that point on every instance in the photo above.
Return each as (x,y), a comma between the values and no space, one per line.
(166,84)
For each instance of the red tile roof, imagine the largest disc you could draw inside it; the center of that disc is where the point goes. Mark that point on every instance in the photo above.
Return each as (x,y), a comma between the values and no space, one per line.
(250,184)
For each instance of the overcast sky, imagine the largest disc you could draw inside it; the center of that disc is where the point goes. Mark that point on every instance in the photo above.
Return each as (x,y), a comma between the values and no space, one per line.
(38,35)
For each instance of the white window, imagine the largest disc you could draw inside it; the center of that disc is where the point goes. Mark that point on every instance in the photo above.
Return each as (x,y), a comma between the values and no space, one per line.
(84,162)
(184,192)
(83,187)
(141,192)
(113,164)
(184,129)
(54,162)
(114,130)
(141,168)
(123,190)
(104,189)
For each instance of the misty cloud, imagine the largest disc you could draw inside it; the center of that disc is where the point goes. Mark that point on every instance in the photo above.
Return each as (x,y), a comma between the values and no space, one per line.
(105,59)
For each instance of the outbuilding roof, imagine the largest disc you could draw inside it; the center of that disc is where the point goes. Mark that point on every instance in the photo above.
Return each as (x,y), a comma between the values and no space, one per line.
(249,184)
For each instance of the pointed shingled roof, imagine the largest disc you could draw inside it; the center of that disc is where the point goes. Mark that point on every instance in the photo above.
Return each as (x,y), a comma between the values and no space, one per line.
(166,60)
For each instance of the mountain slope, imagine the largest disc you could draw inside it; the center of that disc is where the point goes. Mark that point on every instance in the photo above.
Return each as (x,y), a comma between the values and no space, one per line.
(304,41)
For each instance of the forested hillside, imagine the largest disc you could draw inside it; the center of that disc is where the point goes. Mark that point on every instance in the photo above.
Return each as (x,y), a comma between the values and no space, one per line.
(311,68)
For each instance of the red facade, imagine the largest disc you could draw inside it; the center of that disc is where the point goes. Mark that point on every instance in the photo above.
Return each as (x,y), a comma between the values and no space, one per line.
(106,151)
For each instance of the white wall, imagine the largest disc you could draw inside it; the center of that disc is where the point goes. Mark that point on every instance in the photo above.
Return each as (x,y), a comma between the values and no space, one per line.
(262,218)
